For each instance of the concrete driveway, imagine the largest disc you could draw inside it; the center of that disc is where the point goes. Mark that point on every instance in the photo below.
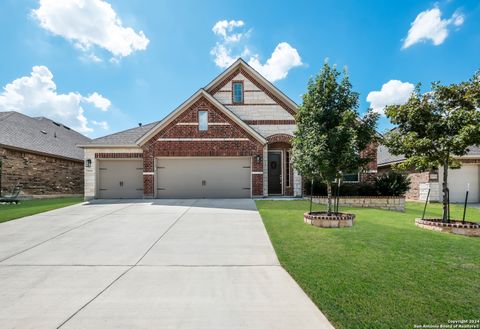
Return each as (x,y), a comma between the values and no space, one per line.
(139,264)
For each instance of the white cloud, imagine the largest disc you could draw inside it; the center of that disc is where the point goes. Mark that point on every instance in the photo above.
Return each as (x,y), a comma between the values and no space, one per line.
(225,28)
(429,25)
(230,47)
(101,124)
(89,23)
(98,101)
(36,95)
(394,92)
(283,58)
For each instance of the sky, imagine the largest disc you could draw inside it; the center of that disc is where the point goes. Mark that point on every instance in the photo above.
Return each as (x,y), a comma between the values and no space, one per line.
(102,66)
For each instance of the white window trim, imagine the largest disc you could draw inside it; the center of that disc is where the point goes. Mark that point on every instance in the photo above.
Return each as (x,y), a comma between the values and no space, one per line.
(199,123)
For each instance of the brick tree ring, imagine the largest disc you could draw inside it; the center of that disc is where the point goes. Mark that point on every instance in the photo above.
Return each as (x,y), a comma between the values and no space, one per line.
(335,220)
(454,226)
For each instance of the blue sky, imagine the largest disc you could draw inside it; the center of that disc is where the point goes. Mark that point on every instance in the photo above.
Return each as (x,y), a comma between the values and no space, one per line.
(103,66)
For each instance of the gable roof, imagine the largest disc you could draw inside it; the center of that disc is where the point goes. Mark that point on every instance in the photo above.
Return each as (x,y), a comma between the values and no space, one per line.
(241,64)
(185,105)
(126,138)
(40,135)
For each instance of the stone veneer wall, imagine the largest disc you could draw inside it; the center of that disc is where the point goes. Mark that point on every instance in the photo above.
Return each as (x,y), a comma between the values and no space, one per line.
(40,175)
(387,203)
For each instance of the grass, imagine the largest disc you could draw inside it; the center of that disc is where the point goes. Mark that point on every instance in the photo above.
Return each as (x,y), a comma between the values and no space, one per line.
(384,272)
(31,207)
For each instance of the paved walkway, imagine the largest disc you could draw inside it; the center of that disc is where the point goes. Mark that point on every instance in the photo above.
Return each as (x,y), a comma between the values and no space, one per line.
(138,264)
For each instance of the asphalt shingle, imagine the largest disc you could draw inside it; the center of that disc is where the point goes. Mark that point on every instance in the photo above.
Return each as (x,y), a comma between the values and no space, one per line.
(40,135)
(126,137)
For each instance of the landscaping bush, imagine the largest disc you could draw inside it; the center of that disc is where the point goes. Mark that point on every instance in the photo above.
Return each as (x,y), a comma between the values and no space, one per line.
(389,184)
(392,183)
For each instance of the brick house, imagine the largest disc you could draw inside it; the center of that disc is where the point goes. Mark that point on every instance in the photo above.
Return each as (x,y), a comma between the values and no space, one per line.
(230,139)
(41,155)
(468,176)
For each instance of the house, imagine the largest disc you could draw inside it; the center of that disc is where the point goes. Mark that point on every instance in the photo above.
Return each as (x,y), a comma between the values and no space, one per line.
(41,155)
(230,139)
(468,176)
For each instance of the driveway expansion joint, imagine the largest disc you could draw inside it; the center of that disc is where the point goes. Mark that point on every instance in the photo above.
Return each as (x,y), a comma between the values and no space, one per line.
(60,234)
(127,270)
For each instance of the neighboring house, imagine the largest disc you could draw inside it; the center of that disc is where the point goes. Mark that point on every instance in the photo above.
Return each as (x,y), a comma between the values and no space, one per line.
(458,179)
(230,139)
(41,155)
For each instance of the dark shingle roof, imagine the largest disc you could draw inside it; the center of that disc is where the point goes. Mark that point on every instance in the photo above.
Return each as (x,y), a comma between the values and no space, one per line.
(40,135)
(126,137)
(384,157)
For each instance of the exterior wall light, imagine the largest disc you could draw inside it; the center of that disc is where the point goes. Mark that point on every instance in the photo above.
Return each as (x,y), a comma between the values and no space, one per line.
(88,163)
(258,158)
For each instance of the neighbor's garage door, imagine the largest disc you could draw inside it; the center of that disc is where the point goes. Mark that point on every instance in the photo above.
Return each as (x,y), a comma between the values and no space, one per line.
(203,177)
(458,180)
(121,179)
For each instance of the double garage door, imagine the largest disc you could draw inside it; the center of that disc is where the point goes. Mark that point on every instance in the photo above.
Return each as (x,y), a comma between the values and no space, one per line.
(177,178)
(203,177)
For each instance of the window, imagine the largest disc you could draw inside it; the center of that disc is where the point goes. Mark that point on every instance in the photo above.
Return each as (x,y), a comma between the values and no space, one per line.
(351,178)
(237,92)
(202,120)
(287,168)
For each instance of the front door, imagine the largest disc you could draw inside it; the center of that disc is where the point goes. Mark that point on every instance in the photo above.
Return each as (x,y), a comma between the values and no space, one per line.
(274,173)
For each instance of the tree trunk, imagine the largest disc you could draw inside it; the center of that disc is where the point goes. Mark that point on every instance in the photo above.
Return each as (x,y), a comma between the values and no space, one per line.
(311,196)
(445,200)
(329,197)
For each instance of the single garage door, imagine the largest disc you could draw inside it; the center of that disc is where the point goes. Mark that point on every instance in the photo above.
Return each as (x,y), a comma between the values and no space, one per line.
(458,180)
(203,177)
(120,179)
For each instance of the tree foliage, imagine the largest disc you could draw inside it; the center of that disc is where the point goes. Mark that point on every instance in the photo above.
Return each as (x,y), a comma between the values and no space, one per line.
(435,126)
(330,138)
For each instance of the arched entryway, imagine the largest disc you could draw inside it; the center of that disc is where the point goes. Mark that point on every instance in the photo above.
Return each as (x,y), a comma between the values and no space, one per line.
(280,171)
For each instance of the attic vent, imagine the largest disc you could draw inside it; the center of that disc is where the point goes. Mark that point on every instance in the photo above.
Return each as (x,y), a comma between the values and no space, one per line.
(56,123)
(68,128)
(43,132)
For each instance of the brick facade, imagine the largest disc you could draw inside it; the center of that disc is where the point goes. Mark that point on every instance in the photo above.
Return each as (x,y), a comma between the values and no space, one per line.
(40,175)
(163,144)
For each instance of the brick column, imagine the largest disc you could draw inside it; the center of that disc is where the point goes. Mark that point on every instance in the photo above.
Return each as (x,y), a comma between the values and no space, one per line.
(257,174)
(148,174)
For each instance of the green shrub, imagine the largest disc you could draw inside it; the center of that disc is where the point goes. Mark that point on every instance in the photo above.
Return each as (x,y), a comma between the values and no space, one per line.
(392,183)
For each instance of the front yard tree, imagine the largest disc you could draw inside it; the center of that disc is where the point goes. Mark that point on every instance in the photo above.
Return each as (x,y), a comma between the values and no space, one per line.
(331,138)
(434,127)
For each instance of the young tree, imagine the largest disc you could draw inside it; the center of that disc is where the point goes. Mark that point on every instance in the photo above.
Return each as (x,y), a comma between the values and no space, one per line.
(435,126)
(331,138)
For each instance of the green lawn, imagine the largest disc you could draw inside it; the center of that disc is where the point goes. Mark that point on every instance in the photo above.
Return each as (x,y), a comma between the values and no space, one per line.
(31,207)
(384,272)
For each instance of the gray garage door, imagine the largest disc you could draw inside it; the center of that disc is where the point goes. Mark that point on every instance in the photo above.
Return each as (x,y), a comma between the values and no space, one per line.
(203,177)
(120,179)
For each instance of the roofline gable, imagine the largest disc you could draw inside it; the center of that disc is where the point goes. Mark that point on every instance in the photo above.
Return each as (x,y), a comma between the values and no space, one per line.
(185,105)
(240,63)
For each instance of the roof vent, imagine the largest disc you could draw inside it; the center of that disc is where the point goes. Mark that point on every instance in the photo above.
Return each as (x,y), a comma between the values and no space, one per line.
(56,123)
(68,128)
(139,124)
(43,132)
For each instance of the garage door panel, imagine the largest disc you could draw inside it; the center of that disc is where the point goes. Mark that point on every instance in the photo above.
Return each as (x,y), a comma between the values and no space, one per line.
(459,179)
(120,179)
(203,178)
